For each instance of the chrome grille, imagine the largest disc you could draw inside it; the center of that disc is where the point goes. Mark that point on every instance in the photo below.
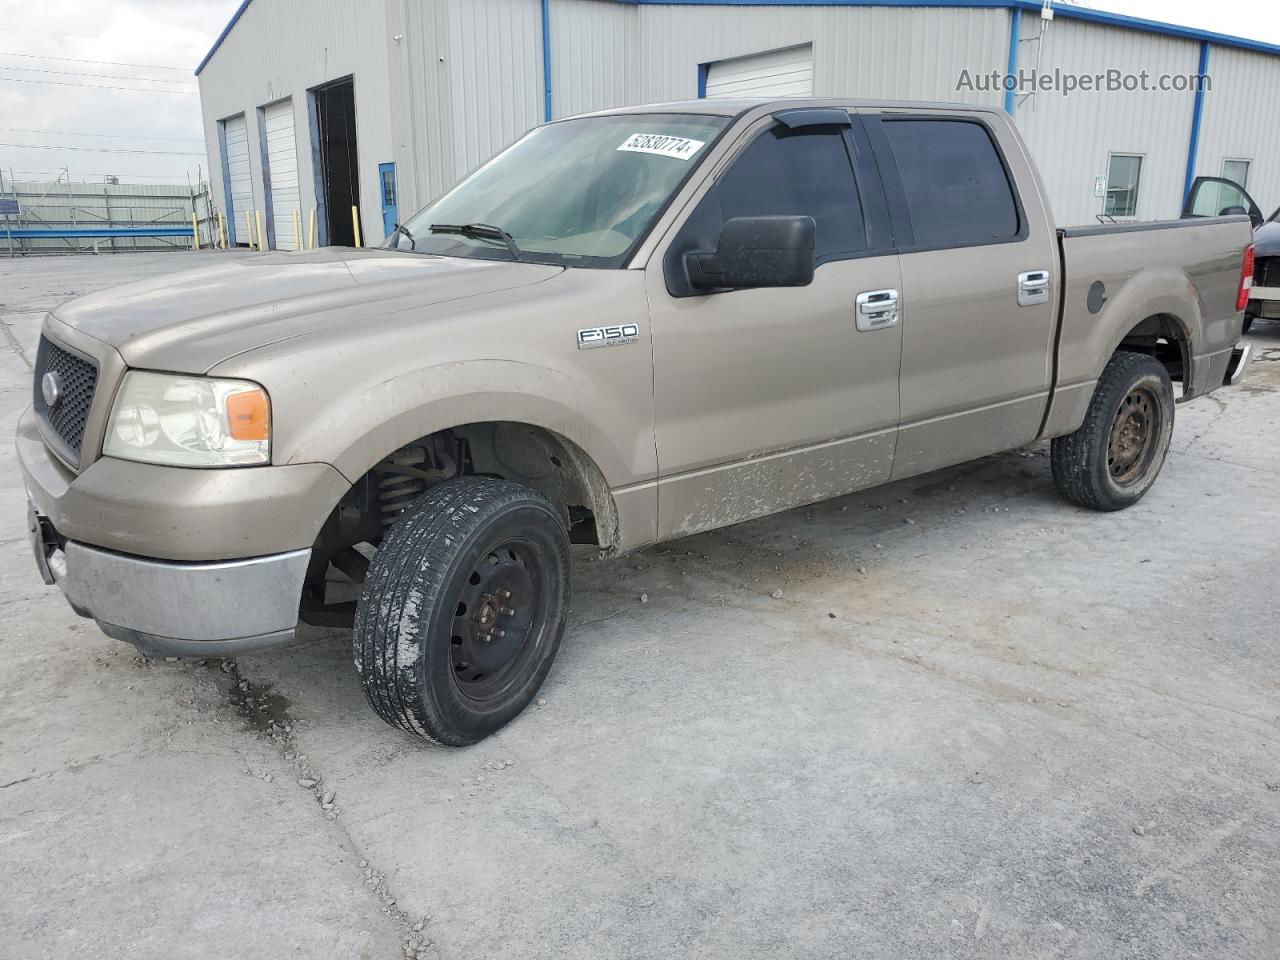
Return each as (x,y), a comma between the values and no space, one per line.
(77,378)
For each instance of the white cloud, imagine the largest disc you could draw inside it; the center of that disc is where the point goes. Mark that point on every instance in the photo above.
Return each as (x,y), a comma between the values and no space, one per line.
(86,115)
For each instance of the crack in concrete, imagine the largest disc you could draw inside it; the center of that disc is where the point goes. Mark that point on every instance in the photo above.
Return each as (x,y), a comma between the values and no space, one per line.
(15,345)
(267,714)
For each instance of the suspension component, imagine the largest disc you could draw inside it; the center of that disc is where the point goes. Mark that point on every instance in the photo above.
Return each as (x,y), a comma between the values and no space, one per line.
(402,478)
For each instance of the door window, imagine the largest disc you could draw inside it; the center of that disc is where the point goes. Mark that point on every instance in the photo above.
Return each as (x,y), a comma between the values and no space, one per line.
(1124,172)
(795,173)
(1214,197)
(957,190)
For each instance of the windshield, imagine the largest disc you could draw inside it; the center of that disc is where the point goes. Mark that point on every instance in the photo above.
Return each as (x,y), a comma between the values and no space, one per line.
(578,192)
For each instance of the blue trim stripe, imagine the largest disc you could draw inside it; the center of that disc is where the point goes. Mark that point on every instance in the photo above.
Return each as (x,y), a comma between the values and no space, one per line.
(703,70)
(547,113)
(1015,37)
(1077,13)
(1197,116)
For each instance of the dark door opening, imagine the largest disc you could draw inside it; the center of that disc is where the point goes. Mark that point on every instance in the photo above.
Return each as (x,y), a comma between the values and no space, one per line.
(335,119)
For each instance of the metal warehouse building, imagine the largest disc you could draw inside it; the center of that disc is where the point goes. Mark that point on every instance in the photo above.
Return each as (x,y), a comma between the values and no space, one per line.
(314,106)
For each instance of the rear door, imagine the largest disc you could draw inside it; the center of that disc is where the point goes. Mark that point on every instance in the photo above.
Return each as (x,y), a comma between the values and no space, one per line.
(767,399)
(978,287)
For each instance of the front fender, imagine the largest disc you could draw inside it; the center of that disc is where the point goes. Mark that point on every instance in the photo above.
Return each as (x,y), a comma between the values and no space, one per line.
(385,416)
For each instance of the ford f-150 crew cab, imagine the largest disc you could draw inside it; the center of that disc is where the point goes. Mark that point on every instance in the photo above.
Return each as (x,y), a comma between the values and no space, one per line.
(628,327)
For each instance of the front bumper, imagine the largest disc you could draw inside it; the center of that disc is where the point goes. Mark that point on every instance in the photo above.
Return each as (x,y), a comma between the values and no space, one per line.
(165,608)
(176,513)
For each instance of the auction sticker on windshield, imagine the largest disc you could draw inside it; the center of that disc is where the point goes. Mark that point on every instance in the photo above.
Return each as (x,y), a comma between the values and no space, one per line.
(681,148)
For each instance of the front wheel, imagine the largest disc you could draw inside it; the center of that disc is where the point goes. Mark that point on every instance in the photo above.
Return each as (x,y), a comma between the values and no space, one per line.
(463,608)
(1116,455)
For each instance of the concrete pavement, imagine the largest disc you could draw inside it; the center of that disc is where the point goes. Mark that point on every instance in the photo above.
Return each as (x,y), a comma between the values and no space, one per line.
(978,722)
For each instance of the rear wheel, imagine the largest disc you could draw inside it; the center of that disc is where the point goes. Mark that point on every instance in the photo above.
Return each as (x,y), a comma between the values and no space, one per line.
(1116,455)
(463,609)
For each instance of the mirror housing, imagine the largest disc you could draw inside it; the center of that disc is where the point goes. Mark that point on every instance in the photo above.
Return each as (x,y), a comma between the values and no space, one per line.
(756,252)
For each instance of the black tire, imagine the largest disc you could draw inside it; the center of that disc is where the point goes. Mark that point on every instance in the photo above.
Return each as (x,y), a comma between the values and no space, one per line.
(1116,455)
(1248,322)
(439,651)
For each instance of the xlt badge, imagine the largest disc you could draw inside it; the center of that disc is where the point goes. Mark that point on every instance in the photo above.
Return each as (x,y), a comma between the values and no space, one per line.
(614,335)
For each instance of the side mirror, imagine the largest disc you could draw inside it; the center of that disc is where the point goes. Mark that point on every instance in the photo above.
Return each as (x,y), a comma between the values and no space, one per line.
(757,252)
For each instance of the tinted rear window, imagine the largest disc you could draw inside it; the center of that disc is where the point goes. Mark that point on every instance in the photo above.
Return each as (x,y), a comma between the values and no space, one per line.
(958,193)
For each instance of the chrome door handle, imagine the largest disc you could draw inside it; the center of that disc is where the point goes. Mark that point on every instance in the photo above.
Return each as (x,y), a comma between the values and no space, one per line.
(1033,288)
(876,309)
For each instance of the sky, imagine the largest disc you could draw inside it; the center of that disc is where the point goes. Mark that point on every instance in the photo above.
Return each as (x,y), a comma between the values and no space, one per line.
(90,88)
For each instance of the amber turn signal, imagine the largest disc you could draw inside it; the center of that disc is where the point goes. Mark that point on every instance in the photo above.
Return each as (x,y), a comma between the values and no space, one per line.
(249,415)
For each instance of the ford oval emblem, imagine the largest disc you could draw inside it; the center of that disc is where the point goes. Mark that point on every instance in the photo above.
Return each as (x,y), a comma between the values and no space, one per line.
(51,388)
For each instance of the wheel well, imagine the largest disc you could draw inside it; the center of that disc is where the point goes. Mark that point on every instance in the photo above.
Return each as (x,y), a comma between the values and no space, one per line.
(522,453)
(1162,336)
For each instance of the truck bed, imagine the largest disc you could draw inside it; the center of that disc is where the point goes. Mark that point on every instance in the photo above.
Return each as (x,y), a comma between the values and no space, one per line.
(1110,284)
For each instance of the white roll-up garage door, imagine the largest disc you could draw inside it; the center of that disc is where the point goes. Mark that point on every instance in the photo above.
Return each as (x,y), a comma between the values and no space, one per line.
(236,135)
(778,73)
(282,172)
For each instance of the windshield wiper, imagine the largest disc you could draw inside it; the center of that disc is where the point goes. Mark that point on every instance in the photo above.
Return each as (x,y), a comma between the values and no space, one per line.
(481,231)
(403,231)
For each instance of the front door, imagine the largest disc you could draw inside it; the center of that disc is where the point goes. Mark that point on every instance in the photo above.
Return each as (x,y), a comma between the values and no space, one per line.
(768,399)
(1219,197)
(978,282)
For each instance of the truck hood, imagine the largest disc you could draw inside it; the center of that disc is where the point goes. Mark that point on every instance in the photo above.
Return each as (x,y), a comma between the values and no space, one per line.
(1266,239)
(190,321)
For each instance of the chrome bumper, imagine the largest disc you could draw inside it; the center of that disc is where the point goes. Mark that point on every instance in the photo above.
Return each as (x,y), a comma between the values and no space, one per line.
(165,608)
(1239,363)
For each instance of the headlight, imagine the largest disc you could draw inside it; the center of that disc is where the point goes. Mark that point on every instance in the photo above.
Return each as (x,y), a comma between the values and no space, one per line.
(189,421)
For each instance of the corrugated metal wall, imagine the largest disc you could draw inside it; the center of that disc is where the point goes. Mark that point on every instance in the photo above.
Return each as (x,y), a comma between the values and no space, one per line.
(466,81)
(443,84)
(594,56)
(1072,136)
(281,48)
(1239,121)
(899,53)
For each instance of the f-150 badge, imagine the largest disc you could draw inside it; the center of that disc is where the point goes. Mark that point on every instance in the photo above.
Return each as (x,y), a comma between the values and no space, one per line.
(612,336)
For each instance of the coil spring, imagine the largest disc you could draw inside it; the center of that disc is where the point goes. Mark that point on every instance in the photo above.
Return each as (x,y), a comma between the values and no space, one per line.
(397,490)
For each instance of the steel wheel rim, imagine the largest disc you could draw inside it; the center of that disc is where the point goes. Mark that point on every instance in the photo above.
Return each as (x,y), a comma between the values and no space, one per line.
(497,618)
(1135,434)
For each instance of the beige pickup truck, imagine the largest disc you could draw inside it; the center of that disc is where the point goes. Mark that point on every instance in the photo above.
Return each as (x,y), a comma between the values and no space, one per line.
(627,327)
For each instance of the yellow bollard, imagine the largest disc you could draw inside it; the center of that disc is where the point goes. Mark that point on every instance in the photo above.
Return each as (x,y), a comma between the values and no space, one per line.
(195,231)
(248,225)
(262,233)
(313,238)
(355,224)
(222,230)
(297,229)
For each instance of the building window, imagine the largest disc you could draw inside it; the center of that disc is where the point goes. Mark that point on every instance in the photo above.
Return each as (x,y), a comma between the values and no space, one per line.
(1237,171)
(1123,174)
